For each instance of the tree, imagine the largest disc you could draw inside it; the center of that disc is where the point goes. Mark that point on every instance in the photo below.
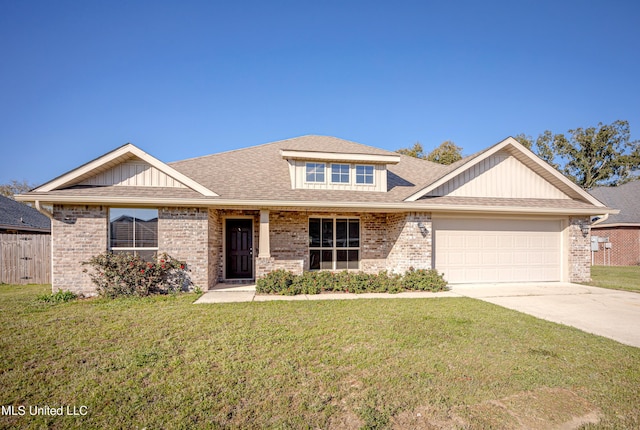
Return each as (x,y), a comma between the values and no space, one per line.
(602,155)
(447,153)
(15,187)
(415,151)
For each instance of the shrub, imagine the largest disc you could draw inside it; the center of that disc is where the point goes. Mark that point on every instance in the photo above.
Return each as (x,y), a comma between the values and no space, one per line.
(275,282)
(423,280)
(118,275)
(286,283)
(57,297)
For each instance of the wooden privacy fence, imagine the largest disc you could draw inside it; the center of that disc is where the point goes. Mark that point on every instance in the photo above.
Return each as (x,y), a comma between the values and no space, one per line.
(25,258)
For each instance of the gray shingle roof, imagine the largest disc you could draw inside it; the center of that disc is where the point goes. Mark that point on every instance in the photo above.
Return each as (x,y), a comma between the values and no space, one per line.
(18,216)
(626,197)
(227,173)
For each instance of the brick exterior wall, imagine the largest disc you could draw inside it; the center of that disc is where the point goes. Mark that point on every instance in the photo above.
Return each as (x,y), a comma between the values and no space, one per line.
(410,238)
(388,241)
(579,250)
(625,246)
(183,233)
(77,233)
(391,242)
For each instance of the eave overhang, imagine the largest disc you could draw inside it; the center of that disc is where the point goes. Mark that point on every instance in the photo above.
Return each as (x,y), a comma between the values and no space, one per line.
(288,154)
(422,206)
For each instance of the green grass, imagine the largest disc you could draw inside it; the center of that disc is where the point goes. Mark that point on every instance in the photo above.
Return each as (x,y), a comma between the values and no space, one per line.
(163,362)
(616,277)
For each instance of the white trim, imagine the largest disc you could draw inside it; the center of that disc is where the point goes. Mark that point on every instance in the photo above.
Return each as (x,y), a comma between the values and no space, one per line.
(510,141)
(362,206)
(334,156)
(121,153)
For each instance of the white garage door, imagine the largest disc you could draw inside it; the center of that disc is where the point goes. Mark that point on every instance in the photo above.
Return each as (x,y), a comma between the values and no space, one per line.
(498,250)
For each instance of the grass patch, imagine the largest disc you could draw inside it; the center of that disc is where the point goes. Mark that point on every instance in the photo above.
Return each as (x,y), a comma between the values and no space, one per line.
(160,362)
(616,277)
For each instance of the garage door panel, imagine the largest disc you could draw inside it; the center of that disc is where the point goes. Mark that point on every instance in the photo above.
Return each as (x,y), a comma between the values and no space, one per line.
(469,250)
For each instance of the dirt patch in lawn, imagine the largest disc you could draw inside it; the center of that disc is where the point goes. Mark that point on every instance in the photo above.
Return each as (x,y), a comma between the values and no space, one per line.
(546,408)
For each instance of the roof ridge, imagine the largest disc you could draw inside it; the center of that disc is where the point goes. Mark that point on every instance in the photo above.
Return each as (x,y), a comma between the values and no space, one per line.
(280,142)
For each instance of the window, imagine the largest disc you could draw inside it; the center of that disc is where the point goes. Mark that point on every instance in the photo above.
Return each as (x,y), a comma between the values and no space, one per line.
(364,175)
(334,243)
(134,231)
(315,172)
(340,173)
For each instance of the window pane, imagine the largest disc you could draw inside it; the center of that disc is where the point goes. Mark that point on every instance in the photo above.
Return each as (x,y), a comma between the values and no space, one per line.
(315,172)
(314,260)
(146,233)
(122,232)
(314,232)
(354,233)
(340,173)
(353,257)
(129,228)
(364,174)
(327,260)
(341,233)
(341,260)
(327,233)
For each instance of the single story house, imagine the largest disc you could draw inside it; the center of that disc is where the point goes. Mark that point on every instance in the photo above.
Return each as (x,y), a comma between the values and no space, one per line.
(617,237)
(323,203)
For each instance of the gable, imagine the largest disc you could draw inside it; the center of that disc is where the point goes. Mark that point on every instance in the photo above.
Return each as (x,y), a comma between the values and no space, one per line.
(500,175)
(134,172)
(129,166)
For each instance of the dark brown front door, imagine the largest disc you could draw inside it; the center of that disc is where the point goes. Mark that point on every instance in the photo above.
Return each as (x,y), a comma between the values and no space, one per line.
(239,249)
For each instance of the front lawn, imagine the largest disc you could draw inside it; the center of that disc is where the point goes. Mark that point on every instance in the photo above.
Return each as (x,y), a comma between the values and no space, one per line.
(162,362)
(616,277)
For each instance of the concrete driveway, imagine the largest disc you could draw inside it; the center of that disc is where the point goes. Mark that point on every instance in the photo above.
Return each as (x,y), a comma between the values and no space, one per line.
(609,313)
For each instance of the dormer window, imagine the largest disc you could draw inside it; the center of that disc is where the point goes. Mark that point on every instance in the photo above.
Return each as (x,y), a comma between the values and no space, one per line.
(340,173)
(315,172)
(364,175)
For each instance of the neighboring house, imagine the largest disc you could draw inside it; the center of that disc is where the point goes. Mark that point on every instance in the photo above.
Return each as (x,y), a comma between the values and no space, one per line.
(621,231)
(322,203)
(25,244)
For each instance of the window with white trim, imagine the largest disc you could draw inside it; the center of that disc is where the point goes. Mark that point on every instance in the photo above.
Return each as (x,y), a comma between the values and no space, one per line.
(315,172)
(364,174)
(334,243)
(340,173)
(134,231)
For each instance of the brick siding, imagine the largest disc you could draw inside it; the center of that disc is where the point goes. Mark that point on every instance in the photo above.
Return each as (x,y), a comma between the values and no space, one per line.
(183,233)
(625,246)
(579,250)
(77,233)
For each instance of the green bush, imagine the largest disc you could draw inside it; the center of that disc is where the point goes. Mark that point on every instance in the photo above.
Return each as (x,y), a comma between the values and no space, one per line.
(423,280)
(275,282)
(58,297)
(118,275)
(286,283)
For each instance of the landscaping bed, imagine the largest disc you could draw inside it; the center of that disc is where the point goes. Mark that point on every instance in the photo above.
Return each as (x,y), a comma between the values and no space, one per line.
(286,283)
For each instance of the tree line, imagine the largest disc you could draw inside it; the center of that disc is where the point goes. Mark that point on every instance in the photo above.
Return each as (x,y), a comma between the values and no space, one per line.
(603,155)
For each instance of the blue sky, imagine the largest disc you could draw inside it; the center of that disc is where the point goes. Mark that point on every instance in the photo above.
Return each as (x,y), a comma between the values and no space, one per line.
(189,78)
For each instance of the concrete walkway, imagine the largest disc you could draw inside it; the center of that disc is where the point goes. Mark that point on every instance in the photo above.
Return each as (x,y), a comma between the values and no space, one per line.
(609,313)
